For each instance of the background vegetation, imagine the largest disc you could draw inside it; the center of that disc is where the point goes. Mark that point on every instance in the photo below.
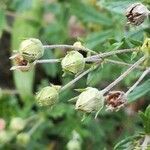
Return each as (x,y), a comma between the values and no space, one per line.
(100,25)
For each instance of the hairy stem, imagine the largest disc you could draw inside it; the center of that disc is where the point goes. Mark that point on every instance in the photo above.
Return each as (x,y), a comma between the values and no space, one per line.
(63,46)
(47,61)
(120,78)
(138,81)
(121,63)
(77,78)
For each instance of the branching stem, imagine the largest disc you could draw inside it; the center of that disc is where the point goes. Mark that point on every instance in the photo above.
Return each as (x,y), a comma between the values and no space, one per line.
(138,81)
(63,46)
(107,54)
(78,78)
(121,77)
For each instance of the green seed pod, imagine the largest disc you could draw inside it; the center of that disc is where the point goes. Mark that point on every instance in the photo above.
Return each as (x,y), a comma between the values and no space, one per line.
(4,137)
(75,142)
(23,139)
(31,49)
(17,124)
(73,62)
(91,100)
(146,47)
(48,96)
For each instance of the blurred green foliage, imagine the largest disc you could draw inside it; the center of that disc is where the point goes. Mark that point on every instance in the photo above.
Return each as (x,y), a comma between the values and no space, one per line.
(101,26)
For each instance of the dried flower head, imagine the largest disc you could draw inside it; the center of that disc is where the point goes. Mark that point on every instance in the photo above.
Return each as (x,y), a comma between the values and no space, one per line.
(17,124)
(31,49)
(137,13)
(48,96)
(73,62)
(91,100)
(20,63)
(115,100)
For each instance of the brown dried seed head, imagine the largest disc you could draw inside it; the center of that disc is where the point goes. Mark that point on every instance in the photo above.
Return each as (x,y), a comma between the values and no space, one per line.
(115,100)
(20,63)
(136,13)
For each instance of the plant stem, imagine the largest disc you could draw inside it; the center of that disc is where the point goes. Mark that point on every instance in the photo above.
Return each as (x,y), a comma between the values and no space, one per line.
(121,77)
(138,81)
(34,128)
(107,54)
(121,63)
(47,61)
(78,78)
(63,46)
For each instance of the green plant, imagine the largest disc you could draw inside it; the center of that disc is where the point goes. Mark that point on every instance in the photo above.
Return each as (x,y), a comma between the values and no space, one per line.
(94,32)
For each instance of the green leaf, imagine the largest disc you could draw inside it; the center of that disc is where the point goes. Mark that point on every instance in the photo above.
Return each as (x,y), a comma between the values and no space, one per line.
(127,143)
(50,69)
(95,39)
(146,119)
(89,14)
(2,21)
(117,6)
(139,91)
(23,28)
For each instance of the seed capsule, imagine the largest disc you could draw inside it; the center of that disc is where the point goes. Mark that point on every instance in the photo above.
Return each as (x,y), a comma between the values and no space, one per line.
(115,100)
(17,124)
(91,100)
(137,13)
(48,96)
(4,136)
(31,49)
(73,62)
(78,45)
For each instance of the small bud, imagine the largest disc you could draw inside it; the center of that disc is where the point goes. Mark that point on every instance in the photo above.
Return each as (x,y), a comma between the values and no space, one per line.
(78,45)
(137,13)
(31,49)
(115,100)
(23,139)
(48,96)
(17,124)
(91,100)
(73,62)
